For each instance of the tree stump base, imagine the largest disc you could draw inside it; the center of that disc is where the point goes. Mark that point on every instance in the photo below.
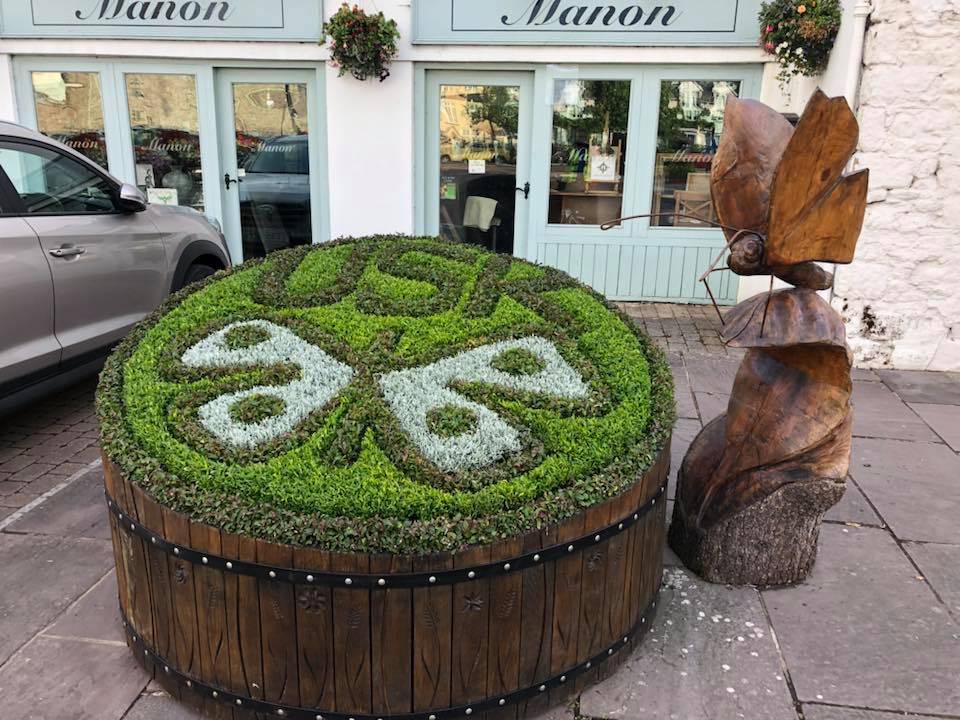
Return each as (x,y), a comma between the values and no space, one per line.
(770,543)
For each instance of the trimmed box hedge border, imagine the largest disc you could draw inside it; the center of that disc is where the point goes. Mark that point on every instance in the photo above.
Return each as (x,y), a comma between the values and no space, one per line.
(500,277)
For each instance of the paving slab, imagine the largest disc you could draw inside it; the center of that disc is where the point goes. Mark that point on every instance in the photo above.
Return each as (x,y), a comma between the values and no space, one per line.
(711,405)
(42,576)
(914,486)
(864,631)
(95,616)
(943,419)
(917,386)
(711,374)
(940,564)
(879,413)
(70,680)
(160,706)
(710,654)
(829,712)
(865,374)
(682,393)
(78,510)
(683,434)
(853,508)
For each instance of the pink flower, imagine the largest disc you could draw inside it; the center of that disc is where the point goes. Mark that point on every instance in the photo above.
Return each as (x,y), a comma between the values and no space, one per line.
(768,47)
(769,29)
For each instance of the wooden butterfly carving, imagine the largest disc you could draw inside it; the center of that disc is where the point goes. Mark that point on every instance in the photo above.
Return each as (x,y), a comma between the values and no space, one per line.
(781,194)
(756,481)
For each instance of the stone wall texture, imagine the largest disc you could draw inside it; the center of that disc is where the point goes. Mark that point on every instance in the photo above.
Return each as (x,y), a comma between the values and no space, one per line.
(901,296)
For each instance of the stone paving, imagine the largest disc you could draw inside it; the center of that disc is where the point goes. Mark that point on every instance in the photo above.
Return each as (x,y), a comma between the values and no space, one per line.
(874,633)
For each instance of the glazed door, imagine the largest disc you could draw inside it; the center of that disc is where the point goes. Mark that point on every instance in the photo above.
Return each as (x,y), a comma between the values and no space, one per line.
(269,156)
(477,157)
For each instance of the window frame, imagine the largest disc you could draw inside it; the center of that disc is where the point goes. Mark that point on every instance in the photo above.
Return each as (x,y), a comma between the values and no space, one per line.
(17,202)
(640,158)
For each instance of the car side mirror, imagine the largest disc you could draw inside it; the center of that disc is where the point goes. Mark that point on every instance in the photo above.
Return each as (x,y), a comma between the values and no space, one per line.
(131,199)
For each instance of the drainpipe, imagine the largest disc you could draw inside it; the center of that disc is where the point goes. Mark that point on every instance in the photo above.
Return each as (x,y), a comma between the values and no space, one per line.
(861,12)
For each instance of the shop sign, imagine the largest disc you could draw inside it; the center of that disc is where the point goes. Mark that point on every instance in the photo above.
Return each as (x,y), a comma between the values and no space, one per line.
(587,22)
(175,19)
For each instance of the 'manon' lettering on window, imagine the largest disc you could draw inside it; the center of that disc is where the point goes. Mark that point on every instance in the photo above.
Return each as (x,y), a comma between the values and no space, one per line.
(566,14)
(190,11)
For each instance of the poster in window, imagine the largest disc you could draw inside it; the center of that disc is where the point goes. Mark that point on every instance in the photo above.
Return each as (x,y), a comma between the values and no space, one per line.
(603,168)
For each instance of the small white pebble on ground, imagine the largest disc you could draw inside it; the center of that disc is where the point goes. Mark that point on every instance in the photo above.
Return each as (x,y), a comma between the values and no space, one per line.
(725,667)
(730,690)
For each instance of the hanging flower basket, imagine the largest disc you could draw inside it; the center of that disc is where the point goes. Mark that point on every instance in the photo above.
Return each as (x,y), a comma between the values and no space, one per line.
(361,44)
(800,34)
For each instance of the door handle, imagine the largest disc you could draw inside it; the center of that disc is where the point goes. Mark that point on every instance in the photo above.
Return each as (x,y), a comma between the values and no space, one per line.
(227,180)
(65,252)
(525,190)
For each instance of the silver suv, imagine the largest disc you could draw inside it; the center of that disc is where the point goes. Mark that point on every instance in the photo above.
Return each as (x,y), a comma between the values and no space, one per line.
(82,258)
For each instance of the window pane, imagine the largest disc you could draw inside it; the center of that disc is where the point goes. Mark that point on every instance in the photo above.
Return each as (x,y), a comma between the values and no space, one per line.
(691,124)
(589,151)
(272,131)
(50,183)
(478,164)
(166,137)
(70,110)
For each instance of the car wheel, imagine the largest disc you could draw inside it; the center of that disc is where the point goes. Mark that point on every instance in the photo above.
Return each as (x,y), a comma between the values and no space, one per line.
(196,273)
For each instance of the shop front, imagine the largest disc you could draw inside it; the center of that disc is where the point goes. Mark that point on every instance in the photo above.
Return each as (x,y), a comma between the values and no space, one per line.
(534,162)
(241,142)
(535,159)
(520,125)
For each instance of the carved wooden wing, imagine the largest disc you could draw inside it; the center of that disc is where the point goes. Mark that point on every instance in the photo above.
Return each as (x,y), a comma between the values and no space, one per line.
(816,212)
(755,137)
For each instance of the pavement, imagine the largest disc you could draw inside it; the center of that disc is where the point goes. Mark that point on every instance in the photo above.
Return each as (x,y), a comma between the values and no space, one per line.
(873,634)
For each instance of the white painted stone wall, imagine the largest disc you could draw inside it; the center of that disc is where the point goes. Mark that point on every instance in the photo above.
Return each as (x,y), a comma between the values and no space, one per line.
(901,296)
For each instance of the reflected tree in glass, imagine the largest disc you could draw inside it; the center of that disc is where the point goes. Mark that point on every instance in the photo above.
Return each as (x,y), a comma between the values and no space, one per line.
(588,160)
(689,132)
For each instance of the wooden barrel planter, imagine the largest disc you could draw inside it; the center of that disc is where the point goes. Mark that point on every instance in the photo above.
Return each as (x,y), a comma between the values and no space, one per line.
(240,625)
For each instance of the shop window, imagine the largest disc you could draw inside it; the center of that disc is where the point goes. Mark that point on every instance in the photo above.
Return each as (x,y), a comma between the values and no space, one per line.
(691,125)
(165,129)
(69,108)
(588,157)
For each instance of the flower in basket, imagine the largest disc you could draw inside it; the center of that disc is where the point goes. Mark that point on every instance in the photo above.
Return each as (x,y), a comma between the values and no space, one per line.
(361,44)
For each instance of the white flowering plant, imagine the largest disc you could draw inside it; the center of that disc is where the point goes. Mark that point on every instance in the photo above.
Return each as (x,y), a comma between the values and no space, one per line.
(385,394)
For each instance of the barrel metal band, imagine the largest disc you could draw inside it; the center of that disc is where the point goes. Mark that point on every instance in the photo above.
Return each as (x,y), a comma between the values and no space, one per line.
(299,713)
(394,580)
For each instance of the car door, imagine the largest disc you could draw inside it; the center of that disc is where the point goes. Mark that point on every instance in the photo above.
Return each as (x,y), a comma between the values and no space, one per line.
(108,266)
(28,346)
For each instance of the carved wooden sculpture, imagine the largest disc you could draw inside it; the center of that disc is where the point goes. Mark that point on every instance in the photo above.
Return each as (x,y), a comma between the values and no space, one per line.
(756,482)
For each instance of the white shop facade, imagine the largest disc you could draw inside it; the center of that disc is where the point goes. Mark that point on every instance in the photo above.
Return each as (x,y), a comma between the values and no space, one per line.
(522,125)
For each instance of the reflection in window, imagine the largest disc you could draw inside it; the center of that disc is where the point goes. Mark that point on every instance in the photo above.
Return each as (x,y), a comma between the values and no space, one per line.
(271,123)
(165,127)
(589,151)
(478,164)
(691,125)
(70,109)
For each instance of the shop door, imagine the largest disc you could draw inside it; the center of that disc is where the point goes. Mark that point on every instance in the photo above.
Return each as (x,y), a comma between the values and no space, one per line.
(477,158)
(269,157)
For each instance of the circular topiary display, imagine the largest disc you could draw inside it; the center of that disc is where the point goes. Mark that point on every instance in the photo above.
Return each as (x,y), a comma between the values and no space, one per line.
(385,394)
(385,479)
